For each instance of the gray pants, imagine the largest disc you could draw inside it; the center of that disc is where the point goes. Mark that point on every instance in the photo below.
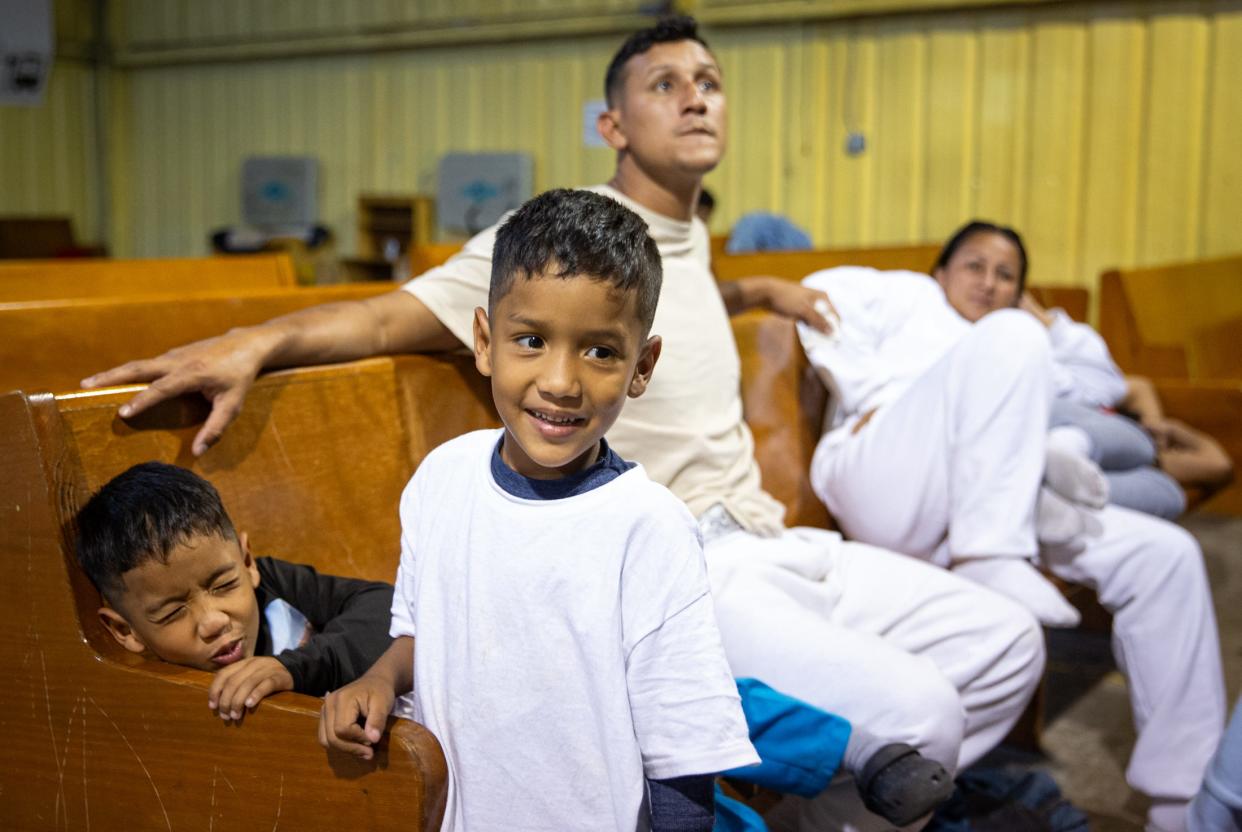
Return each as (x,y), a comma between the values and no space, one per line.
(1127,455)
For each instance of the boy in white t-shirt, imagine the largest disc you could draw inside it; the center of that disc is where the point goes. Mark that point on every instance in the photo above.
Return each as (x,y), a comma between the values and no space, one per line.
(568,658)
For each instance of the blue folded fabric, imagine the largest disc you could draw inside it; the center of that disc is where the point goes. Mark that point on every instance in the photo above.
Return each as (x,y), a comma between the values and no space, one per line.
(800,746)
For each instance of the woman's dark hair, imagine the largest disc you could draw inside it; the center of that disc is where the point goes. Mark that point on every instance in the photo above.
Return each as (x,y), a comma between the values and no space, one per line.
(981,227)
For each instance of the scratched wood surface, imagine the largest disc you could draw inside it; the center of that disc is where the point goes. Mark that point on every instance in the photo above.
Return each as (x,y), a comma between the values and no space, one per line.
(25,280)
(53,344)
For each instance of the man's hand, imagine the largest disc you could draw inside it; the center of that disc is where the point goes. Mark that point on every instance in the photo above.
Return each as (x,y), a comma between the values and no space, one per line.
(221,368)
(784,297)
(368,701)
(237,689)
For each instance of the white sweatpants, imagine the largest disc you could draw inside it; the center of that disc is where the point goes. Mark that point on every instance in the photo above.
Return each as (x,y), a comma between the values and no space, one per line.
(957,458)
(950,470)
(903,650)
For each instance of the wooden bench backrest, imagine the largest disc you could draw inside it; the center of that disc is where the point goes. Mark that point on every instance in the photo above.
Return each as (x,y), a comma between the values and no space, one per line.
(1075,300)
(52,345)
(783,402)
(313,469)
(1151,317)
(26,280)
(35,236)
(430,255)
(795,265)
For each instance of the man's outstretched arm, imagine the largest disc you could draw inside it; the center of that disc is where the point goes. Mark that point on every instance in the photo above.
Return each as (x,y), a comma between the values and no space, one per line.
(224,367)
(787,298)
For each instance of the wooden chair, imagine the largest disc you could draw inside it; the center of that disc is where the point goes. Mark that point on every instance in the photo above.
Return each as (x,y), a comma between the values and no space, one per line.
(52,345)
(313,470)
(1180,325)
(33,280)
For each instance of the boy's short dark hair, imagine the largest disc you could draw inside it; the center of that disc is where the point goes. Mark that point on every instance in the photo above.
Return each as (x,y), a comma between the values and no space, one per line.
(142,515)
(666,30)
(569,233)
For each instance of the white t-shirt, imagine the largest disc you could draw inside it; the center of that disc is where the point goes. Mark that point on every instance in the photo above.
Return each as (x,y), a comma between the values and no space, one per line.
(565,649)
(687,429)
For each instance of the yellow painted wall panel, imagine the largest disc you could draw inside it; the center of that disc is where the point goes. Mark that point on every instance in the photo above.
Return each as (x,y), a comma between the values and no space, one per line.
(1054,155)
(1171,173)
(1113,141)
(1106,131)
(949,104)
(899,139)
(47,153)
(1222,169)
(1002,128)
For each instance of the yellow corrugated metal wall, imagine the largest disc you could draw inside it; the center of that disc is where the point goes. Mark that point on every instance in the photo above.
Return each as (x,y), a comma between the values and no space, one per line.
(48,162)
(1108,132)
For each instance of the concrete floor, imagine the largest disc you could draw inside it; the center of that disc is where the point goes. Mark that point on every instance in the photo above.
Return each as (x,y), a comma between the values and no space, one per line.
(1088,731)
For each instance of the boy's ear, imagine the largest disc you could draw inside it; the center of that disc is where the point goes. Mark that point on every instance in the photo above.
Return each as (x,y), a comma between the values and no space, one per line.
(482,342)
(116,624)
(248,561)
(645,366)
(938,275)
(608,124)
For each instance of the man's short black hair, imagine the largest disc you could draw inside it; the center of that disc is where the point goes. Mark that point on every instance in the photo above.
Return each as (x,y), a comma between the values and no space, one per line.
(666,30)
(142,515)
(568,233)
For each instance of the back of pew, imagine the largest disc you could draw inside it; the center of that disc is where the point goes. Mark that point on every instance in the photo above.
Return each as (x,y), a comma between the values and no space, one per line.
(795,265)
(32,280)
(1151,316)
(1179,324)
(783,402)
(313,470)
(1075,300)
(52,345)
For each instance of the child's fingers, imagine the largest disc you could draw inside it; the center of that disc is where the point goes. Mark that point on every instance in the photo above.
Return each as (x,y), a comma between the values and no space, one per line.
(339,724)
(377,718)
(262,688)
(220,684)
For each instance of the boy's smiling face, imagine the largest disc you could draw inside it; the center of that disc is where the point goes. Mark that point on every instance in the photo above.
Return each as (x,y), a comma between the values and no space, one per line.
(563,354)
(198,609)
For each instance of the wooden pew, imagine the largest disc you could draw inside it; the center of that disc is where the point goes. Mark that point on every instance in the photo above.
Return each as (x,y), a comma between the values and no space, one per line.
(795,265)
(32,280)
(312,469)
(24,238)
(52,345)
(1151,316)
(1180,324)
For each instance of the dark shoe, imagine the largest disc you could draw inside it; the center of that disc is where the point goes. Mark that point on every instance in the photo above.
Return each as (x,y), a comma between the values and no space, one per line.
(901,785)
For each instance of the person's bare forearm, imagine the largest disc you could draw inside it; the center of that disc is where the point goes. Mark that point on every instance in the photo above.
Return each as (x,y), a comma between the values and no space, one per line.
(396,322)
(396,666)
(1142,400)
(741,294)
